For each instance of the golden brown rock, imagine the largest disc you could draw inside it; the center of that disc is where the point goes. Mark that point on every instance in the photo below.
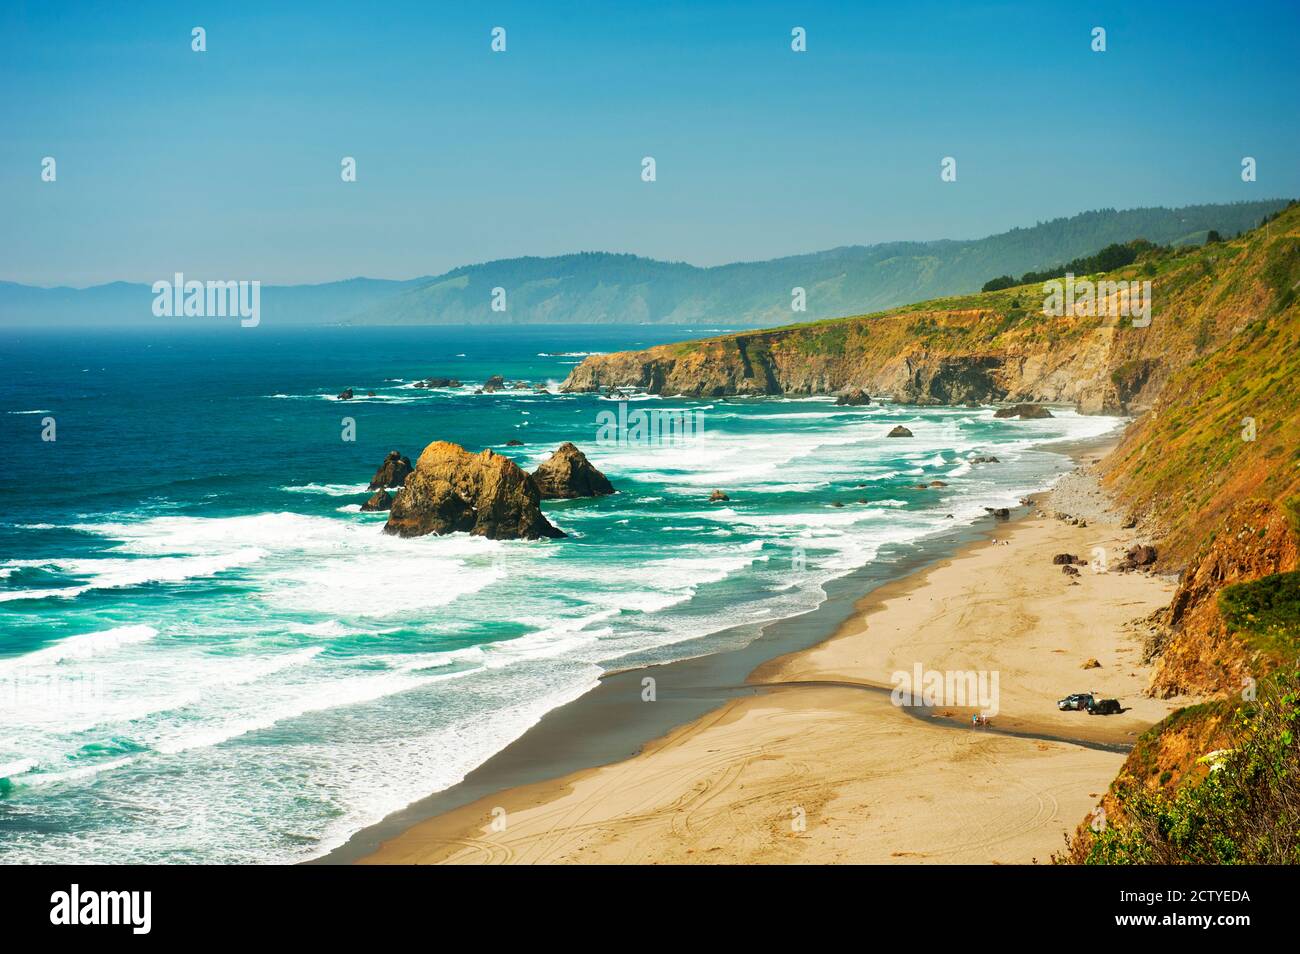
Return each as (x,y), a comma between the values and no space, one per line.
(452,490)
(567,474)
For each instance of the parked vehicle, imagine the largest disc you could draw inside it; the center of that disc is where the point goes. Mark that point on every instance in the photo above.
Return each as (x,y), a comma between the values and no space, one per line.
(1103,706)
(1074,701)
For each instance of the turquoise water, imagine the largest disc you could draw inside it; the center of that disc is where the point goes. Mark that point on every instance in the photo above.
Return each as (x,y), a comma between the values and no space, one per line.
(208,654)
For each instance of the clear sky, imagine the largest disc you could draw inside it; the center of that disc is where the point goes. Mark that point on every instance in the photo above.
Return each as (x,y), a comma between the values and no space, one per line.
(226,164)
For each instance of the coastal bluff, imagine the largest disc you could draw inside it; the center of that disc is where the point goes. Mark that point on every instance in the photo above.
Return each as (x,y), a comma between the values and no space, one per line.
(968,360)
(1007,345)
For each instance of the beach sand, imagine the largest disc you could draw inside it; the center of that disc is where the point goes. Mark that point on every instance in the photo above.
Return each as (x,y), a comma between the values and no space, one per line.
(822,767)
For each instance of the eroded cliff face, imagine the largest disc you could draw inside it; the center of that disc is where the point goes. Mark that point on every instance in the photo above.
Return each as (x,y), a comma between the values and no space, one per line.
(1196,653)
(937,356)
(993,346)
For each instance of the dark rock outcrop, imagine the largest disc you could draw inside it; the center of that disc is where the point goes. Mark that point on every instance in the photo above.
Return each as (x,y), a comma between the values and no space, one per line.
(854,397)
(899,431)
(1026,412)
(494,383)
(345,394)
(392,472)
(999,513)
(968,379)
(985,460)
(451,490)
(717,497)
(1064,559)
(567,474)
(514,442)
(1136,557)
(381,500)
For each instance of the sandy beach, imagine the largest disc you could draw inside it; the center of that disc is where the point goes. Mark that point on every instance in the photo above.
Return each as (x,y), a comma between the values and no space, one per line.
(821,767)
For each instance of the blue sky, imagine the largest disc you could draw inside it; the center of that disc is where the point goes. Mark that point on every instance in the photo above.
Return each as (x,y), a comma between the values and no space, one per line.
(226,163)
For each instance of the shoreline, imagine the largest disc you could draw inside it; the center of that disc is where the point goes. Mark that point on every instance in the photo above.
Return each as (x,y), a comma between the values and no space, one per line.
(610,725)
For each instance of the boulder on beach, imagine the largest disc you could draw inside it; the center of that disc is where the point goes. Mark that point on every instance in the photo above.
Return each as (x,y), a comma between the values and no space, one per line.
(1026,412)
(854,397)
(999,513)
(1142,554)
(717,497)
(899,431)
(451,490)
(345,394)
(1064,559)
(567,474)
(381,500)
(1070,570)
(1136,557)
(392,472)
(1091,664)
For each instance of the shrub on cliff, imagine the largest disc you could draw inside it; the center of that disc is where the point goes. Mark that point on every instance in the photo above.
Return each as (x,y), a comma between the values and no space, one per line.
(1267,609)
(1244,810)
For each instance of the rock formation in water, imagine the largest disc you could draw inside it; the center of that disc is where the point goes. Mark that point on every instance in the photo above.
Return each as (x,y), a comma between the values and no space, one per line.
(567,474)
(1026,412)
(452,490)
(899,431)
(392,472)
(854,397)
(379,501)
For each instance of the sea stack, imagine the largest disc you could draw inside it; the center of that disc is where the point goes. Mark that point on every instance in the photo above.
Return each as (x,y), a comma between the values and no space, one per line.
(1026,412)
(899,431)
(854,397)
(567,474)
(392,472)
(451,490)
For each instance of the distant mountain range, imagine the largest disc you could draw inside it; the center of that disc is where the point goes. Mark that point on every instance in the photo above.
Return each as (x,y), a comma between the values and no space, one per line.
(600,287)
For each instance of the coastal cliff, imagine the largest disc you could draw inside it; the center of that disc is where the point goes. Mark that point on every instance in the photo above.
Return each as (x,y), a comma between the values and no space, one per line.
(995,346)
(1209,469)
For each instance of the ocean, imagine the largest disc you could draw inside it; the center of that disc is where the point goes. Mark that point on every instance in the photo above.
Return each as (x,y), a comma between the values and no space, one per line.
(209,654)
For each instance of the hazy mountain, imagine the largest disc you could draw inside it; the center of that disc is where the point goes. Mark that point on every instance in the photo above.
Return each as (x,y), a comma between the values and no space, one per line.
(603,287)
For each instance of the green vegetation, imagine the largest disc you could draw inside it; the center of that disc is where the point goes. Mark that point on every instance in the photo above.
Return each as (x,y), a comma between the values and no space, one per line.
(1266,610)
(1108,259)
(1245,808)
(999,283)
